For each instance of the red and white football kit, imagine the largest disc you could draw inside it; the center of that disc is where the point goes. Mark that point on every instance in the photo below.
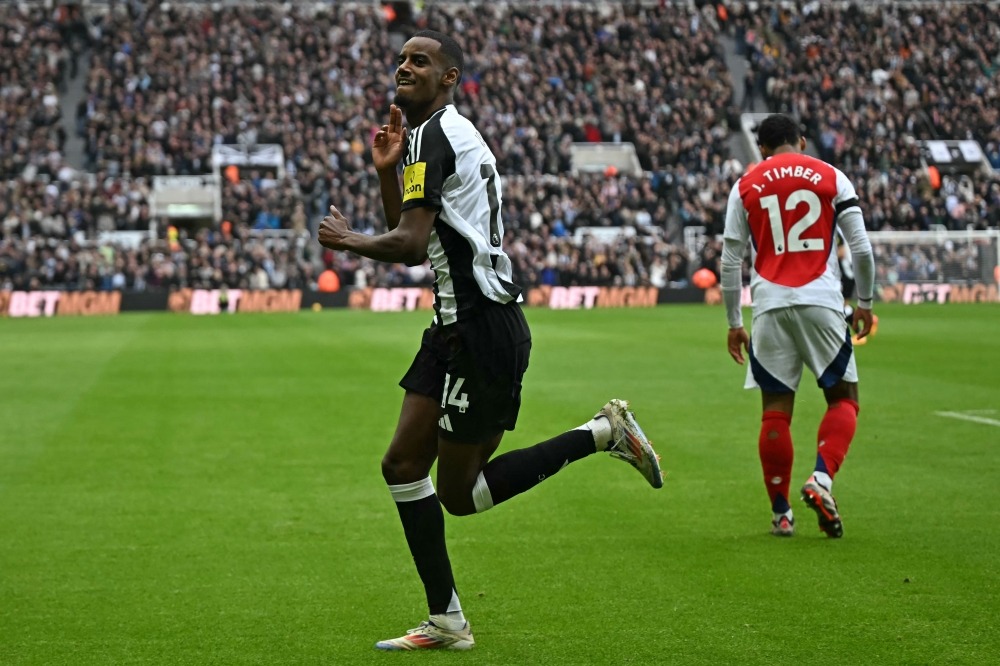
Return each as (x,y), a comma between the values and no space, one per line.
(789,207)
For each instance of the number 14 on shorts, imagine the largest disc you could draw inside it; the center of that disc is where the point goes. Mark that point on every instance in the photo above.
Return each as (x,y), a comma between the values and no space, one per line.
(460,400)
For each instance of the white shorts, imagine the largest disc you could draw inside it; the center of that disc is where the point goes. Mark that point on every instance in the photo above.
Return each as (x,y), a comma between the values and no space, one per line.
(784,340)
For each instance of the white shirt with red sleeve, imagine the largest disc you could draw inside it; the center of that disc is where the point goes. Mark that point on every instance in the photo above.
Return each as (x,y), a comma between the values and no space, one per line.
(788,208)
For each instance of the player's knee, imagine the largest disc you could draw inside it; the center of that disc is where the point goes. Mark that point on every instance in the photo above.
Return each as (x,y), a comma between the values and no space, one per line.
(841,391)
(396,470)
(456,501)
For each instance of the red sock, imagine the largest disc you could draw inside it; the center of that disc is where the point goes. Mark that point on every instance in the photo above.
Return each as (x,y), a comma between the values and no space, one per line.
(776,454)
(836,431)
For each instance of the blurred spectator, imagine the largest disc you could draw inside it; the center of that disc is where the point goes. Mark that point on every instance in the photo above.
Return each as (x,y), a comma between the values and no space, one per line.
(167,82)
(890,74)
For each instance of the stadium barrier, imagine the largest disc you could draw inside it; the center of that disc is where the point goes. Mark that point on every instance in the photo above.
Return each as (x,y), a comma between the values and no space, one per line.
(52,303)
(914,292)
(376,299)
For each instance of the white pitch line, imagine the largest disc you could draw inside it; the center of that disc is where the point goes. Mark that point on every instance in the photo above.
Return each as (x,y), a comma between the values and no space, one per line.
(970,417)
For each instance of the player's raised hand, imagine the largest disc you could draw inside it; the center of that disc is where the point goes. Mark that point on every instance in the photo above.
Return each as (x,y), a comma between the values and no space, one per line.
(390,141)
(738,341)
(333,229)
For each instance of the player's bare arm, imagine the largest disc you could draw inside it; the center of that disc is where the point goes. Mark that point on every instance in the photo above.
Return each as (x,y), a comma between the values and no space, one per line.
(388,148)
(405,244)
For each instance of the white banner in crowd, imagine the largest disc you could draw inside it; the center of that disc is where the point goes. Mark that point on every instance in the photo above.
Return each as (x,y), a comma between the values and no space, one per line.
(264,154)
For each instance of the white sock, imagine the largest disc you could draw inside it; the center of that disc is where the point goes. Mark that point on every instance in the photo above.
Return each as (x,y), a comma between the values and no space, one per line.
(823,479)
(600,428)
(481,495)
(450,621)
(453,619)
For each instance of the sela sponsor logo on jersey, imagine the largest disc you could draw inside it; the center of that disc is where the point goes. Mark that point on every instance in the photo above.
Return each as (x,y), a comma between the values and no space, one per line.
(413,181)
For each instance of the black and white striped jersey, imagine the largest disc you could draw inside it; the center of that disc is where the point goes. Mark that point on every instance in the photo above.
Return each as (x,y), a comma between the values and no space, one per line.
(450,168)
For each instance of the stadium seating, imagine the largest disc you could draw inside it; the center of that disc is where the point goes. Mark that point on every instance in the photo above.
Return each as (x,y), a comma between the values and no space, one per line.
(165,83)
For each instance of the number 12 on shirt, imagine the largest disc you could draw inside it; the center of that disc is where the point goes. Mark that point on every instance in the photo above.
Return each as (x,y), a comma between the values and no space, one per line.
(794,242)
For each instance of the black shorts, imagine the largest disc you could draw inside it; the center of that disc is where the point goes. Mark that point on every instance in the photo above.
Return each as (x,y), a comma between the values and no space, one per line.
(475,368)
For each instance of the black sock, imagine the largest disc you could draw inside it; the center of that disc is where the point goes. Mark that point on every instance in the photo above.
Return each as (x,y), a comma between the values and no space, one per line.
(423,523)
(516,471)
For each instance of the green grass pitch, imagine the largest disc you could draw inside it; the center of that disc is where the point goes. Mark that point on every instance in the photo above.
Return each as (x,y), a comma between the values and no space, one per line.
(185,490)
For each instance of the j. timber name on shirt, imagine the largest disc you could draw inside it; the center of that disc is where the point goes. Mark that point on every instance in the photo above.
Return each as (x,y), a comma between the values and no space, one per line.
(797,171)
(413,180)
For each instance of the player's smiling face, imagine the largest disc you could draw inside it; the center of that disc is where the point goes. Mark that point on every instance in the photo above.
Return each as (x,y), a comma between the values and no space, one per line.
(420,73)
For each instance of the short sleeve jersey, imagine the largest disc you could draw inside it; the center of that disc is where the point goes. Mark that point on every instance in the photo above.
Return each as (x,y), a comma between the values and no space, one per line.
(787,206)
(450,168)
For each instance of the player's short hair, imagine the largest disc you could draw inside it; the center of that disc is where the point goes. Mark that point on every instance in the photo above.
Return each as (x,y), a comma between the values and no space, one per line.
(778,130)
(450,49)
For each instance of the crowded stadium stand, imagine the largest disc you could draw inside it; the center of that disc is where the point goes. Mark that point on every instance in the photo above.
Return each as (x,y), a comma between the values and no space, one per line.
(152,146)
